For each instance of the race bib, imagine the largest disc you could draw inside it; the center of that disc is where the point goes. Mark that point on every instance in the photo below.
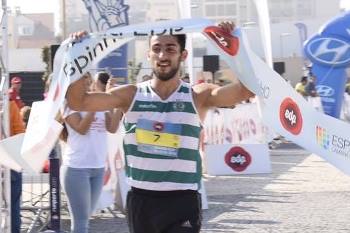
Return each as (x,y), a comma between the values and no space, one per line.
(158,137)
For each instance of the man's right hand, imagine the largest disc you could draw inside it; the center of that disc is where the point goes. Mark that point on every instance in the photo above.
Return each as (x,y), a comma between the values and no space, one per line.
(78,35)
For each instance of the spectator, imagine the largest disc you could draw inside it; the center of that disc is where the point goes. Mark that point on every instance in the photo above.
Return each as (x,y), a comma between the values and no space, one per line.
(14,90)
(186,78)
(347,87)
(146,77)
(101,85)
(163,123)
(16,127)
(310,87)
(112,82)
(83,163)
(101,81)
(25,113)
(300,86)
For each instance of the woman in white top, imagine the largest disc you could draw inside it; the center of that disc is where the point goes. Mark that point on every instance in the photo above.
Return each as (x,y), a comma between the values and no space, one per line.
(84,159)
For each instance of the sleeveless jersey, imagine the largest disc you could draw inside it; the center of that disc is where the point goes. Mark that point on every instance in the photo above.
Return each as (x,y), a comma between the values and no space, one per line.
(161,143)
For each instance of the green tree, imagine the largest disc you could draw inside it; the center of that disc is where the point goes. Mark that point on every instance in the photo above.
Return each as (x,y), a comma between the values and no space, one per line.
(46,58)
(133,70)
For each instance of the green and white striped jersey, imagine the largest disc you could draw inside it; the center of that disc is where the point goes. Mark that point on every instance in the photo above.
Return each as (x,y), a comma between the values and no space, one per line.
(161,143)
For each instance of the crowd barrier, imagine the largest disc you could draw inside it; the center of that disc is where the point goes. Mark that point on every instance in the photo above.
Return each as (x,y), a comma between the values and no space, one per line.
(236,141)
(35,204)
(241,124)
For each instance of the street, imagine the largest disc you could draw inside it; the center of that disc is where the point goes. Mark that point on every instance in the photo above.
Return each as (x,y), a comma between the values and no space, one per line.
(302,194)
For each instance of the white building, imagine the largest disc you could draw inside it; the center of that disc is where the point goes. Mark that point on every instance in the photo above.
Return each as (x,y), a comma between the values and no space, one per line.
(161,9)
(27,35)
(284,14)
(286,44)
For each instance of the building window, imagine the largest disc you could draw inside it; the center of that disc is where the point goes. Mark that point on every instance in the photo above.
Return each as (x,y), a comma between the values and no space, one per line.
(225,9)
(25,30)
(231,9)
(210,10)
(305,9)
(220,10)
(281,9)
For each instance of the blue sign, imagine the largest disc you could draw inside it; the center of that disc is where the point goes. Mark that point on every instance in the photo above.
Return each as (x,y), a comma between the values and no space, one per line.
(106,14)
(329,51)
(330,88)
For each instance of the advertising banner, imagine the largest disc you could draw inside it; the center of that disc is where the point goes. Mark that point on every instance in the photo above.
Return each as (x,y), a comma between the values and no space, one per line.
(241,124)
(233,159)
(302,28)
(106,14)
(329,52)
(286,111)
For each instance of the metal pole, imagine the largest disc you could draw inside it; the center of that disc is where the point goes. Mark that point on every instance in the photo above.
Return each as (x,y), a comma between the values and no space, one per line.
(55,194)
(184,7)
(55,198)
(5,172)
(64,23)
(281,44)
(284,34)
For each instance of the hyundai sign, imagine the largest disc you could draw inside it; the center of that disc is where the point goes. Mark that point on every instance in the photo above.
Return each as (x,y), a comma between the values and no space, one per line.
(329,52)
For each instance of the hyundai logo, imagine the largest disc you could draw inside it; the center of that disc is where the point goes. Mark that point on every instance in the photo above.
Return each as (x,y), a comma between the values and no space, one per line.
(324,91)
(328,51)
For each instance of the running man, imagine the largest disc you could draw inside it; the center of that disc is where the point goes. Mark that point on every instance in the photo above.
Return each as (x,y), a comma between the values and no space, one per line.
(163,119)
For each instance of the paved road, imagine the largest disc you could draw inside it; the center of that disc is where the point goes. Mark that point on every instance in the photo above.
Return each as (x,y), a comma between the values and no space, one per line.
(302,194)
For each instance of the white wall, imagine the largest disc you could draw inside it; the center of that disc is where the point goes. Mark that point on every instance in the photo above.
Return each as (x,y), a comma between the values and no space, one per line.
(25,60)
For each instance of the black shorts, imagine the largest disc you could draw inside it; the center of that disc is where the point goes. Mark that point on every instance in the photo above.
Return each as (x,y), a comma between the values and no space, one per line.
(164,211)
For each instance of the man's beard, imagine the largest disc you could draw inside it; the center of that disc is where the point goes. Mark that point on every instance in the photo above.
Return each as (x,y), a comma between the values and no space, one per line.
(166,76)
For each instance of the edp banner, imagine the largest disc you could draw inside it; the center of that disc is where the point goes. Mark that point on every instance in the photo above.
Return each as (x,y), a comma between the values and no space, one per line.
(284,110)
(103,15)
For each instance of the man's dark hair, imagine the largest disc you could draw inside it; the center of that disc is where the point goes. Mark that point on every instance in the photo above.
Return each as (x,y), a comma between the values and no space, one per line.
(103,77)
(181,39)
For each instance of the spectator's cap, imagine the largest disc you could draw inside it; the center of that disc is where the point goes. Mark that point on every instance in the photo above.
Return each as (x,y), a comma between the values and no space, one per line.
(16,80)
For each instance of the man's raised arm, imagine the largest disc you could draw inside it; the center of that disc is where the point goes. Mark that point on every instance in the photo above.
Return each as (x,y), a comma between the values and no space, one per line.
(228,95)
(80,100)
